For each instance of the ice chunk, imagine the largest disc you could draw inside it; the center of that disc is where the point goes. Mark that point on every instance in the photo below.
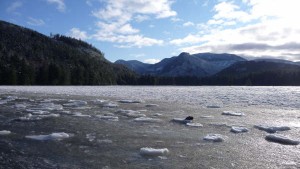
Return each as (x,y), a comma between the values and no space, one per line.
(146,119)
(281,139)
(272,129)
(90,137)
(152,152)
(53,136)
(231,113)
(49,106)
(214,137)
(4,132)
(236,129)
(106,117)
(130,113)
(99,101)
(38,112)
(207,117)
(194,124)
(151,105)
(78,114)
(20,106)
(130,101)
(181,120)
(75,103)
(110,105)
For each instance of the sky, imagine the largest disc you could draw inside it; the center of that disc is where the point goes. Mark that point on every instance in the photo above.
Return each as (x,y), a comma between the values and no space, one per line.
(150,30)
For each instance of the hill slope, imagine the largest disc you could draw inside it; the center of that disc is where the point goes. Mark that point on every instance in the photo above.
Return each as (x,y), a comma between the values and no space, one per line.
(30,58)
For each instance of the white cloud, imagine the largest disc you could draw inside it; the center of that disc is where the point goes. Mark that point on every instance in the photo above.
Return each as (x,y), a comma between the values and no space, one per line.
(14,6)
(269,28)
(60,4)
(115,19)
(78,34)
(151,61)
(35,22)
(189,23)
(189,39)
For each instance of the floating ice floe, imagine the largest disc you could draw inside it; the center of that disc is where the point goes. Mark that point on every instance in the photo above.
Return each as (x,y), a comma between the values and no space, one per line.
(19,106)
(53,136)
(237,129)
(272,129)
(181,120)
(194,124)
(130,113)
(5,132)
(152,152)
(110,105)
(49,106)
(146,119)
(90,137)
(99,101)
(75,103)
(38,112)
(151,105)
(130,101)
(214,137)
(232,113)
(281,139)
(207,117)
(107,117)
(78,114)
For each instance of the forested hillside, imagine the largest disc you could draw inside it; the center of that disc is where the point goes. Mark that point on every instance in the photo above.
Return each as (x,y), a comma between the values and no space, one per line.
(30,58)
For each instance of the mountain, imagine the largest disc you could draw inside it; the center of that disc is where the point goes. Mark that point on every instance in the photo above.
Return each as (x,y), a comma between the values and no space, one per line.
(30,58)
(196,65)
(259,72)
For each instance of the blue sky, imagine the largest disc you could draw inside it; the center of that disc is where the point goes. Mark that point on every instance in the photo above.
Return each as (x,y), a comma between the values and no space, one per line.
(149,30)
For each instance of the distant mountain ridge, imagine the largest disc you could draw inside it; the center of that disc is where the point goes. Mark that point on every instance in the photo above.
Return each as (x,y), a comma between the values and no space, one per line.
(197,65)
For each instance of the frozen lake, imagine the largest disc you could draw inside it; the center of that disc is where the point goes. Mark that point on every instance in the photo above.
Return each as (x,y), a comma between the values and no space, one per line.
(134,127)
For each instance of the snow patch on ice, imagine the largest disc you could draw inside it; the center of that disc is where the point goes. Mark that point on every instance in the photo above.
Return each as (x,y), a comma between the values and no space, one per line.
(53,136)
(152,152)
(232,113)
(5,132)
(214,137)
(281,139)
(272,129)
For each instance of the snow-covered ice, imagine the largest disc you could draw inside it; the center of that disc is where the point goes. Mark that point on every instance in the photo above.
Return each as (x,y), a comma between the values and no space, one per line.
(238,129)
(5,132)
(232,113)
(53,136)
(110,105)
(214,137)
(281,139)
(272,129)
(153,152)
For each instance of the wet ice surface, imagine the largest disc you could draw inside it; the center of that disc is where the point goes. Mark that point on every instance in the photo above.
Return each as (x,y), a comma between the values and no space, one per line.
(110,127)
